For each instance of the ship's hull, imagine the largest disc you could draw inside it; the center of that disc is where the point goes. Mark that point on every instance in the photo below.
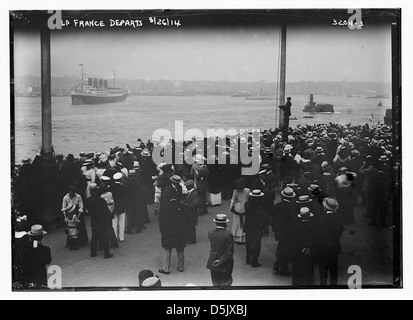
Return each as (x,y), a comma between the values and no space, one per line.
(319,108)
(81,98)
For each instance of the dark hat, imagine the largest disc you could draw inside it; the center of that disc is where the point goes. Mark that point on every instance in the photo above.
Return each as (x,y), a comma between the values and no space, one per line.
(143,275)
(176,179)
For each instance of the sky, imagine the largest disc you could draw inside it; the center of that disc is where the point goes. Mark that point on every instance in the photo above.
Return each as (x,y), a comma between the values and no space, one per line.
(248,54)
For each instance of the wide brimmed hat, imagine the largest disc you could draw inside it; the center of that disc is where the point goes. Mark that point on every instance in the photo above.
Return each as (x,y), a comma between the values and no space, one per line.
(221,218)
(37,230)
(319,150)
(331,204)
(256,194)
(305,213)
(288,193)
(304,199)
(176,179)
(288,148)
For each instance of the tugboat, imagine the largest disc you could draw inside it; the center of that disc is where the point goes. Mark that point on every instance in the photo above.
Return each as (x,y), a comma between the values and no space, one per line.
(380,104)
(313,107)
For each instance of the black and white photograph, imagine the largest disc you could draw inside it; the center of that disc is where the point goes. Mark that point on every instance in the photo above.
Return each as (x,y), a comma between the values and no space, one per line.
(205,149)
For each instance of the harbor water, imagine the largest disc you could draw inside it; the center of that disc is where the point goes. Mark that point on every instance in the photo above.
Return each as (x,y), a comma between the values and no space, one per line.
(91,128)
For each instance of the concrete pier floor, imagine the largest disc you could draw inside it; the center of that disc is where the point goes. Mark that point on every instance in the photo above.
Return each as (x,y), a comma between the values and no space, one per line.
(365,246)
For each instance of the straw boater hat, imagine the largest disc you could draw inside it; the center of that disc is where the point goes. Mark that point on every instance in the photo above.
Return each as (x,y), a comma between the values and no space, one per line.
(117,176)
(288,148)
(146,153)
(221,218)
(176,179)
(37,230)
(384,159)
(105,179)
(288,193)
(314,188)
(132,173)
(256,194)
(151,282)
(331,204)
(304,200)
(305,213)
(88,163)
(319,150)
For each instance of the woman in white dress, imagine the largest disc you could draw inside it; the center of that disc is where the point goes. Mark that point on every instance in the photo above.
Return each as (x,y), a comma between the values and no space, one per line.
(239,199)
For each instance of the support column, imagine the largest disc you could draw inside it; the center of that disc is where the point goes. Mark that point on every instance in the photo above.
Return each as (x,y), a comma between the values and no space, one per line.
(47,147)
(283,71)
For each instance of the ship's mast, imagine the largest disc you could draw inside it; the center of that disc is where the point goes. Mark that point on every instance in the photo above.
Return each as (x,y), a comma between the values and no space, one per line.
(114,78)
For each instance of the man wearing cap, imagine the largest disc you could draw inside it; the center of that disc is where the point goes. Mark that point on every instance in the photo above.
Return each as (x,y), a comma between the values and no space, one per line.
(221,258)
(90,174)
(282,221)
(127,159)
(191,204)
(255,225)
(171,223)
(101,222)
(38,257)
(328,246)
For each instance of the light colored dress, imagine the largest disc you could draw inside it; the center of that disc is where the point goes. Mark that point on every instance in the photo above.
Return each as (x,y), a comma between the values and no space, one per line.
(239,199)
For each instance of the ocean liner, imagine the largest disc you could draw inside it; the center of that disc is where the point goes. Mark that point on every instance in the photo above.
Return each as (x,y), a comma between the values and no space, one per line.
(97,92)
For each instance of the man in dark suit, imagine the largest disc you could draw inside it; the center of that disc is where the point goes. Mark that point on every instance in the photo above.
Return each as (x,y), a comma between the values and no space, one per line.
(255,224)
(101,222)
(282,222)
(200,173)
(267,188)
(191,204)
(287,113)
(38,257)
(221,259)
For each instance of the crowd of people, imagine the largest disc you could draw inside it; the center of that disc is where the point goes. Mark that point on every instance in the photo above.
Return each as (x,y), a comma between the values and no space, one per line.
(323,172)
